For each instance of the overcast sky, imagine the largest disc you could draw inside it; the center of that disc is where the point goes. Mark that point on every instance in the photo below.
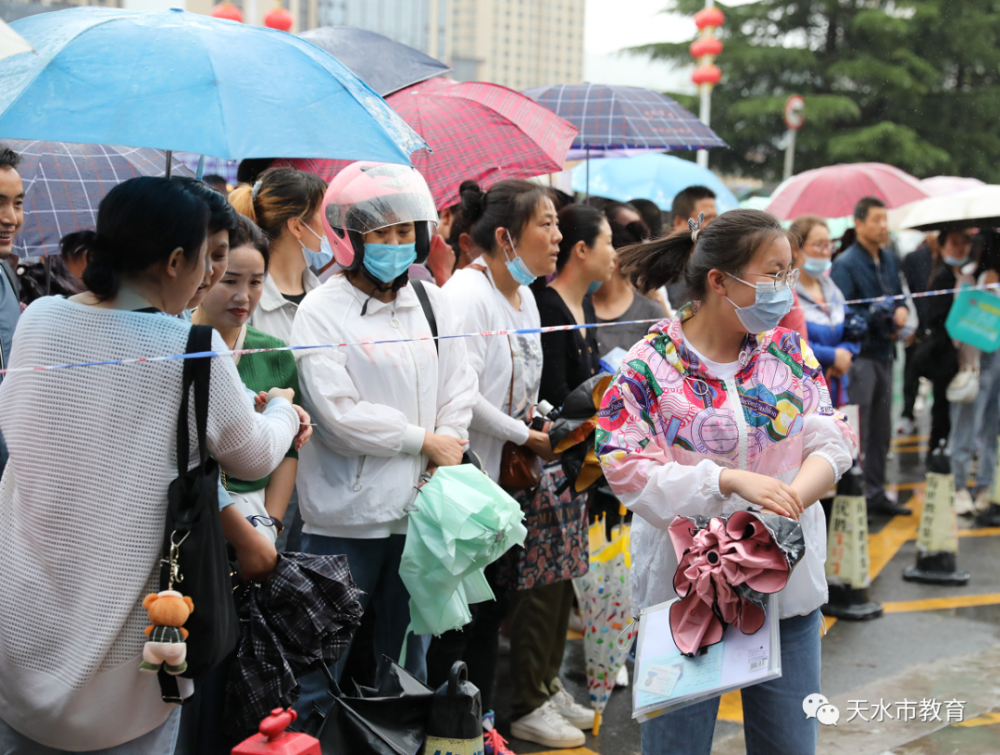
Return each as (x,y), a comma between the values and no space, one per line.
(609,29)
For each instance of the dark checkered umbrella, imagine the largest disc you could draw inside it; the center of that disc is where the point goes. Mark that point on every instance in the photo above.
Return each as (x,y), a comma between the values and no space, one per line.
(64,184)
(481,131)
(304,616)
(618,117)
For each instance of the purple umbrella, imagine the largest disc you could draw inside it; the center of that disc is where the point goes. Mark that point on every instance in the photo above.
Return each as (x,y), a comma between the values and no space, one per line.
(64,184)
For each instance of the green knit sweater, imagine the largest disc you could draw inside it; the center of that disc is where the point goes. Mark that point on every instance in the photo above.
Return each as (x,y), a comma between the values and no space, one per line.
(262,372)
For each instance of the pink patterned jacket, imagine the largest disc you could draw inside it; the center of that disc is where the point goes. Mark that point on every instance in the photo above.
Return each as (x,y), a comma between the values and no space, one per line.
(668,427)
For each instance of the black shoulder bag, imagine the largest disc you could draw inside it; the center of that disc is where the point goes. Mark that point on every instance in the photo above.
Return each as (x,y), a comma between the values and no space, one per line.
(193,539)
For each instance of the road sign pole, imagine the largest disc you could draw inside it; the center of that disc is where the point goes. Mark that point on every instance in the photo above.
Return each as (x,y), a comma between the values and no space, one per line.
(790,154)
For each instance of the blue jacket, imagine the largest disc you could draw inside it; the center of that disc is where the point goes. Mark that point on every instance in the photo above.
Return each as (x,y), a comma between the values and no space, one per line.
(857,276)
(825,331)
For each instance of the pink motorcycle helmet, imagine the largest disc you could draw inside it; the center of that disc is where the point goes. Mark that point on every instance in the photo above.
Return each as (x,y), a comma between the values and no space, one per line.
(366,196)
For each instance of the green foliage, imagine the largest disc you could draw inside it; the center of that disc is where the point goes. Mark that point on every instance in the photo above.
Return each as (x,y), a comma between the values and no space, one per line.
(914,83)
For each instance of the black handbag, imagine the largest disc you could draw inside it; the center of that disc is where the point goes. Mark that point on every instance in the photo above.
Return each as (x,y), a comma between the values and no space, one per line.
(192,540)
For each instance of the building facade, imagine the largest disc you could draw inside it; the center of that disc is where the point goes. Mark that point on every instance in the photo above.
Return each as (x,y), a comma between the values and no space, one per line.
(518,43)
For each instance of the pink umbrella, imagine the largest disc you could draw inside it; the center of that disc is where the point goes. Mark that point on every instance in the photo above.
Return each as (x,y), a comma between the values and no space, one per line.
(833,191)
(724,568)
(481,131)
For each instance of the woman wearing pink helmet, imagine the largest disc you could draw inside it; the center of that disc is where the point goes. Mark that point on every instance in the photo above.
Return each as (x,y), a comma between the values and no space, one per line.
(386,412)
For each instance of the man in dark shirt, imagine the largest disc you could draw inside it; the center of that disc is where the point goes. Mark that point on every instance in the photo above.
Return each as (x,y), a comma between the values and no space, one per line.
(867,270)
(11,220)
(917,267)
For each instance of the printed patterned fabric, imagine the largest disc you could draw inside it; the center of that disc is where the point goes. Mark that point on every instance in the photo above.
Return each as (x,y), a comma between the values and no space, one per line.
(665,405)
(556,546)
(603,593)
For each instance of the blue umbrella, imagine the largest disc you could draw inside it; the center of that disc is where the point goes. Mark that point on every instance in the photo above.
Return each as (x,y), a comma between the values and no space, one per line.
(656,177)
(385,65)
(618,117)
(174,80)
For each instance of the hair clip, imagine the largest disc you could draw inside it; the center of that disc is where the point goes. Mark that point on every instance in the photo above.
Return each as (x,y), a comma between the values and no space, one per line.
(696,227)
(256,190)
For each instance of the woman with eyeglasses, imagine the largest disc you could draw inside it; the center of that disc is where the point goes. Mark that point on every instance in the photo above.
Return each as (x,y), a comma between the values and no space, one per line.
(716,410)
(822,303)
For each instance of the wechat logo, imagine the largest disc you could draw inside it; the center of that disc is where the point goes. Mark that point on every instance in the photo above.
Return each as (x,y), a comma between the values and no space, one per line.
(818,707)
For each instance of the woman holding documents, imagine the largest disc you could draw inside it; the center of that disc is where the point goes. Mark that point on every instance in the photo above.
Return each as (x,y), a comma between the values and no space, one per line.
(714,411)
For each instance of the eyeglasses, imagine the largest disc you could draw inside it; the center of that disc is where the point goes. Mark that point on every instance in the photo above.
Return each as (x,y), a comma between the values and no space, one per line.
(784,279)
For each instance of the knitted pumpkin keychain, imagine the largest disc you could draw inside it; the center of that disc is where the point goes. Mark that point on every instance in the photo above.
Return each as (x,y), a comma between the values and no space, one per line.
(168,610)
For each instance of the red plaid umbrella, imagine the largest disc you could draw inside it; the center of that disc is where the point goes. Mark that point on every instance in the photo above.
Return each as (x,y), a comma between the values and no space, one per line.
(833,191)
(481,131)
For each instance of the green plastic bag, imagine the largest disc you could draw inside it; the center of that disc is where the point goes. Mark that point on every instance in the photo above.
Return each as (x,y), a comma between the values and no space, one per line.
(974,319)
(462,523)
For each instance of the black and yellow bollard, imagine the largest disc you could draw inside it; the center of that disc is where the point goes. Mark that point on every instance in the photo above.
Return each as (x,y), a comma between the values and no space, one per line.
(937,539)
(848,573)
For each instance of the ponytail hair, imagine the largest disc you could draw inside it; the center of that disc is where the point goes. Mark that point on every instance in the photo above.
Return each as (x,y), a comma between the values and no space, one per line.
(728,243)
(508,204)
(277,196)
(140,223)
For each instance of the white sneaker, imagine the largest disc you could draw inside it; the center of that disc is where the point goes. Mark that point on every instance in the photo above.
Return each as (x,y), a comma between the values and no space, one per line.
(622,679)
(963,503)
(578,716)
(545,726)
(905,427)
(983,500)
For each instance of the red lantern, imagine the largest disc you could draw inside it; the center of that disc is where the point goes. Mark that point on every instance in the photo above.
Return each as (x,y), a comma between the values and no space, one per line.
(709,17)
(706,75)
(705,46)
(227,11)
(279,19)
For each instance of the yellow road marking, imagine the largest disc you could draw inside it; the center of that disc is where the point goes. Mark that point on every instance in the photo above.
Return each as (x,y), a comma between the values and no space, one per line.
(731,707)
(987,719)
(984,532)
(883,545)
(936,604)
(911,439)
(907,485)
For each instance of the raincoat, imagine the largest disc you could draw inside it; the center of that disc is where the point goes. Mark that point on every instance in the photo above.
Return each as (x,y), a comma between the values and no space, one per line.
(668,427)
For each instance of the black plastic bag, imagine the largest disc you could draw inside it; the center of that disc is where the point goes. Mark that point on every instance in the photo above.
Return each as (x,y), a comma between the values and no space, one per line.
(457,708)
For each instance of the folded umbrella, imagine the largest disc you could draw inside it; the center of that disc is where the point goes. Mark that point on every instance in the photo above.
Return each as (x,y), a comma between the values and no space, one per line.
(382,63)
(603,593)
(462,523)
(726,565)
(181,81)
(481,131)
(302,618)
(65,183)
(572,435)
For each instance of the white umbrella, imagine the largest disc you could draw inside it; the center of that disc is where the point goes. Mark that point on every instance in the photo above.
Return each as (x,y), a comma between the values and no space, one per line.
(973,207)
(12,43)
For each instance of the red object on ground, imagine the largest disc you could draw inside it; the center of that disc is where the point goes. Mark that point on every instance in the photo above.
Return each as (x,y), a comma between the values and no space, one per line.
(832,192)
(482,131)
(227,11)
(706,46)
(706,75)
(279,19)
(274,740)
(709,17)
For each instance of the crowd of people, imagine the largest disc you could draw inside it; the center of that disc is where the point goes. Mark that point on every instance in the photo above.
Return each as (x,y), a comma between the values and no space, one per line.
(321,449)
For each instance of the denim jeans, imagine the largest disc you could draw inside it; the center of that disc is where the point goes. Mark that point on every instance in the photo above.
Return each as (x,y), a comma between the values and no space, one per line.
(374,566)
(773,720)
(979,421)
(160,741)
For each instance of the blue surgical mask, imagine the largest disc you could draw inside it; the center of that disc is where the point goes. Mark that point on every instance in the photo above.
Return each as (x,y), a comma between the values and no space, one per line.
(960,262)
(816,266)
(768,309)
(594,286)
(318,260)
(516,267)
(389,261)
